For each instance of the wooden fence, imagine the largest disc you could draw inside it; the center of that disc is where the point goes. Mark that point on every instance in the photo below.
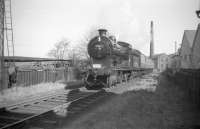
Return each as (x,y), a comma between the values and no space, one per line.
(32,77)
(189,79)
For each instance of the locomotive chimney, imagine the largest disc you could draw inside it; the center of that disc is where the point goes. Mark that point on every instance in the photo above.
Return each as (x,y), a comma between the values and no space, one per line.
(102,32)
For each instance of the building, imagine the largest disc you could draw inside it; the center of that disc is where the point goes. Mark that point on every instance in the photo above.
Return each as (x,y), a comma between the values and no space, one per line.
(186,49)
(146,62)
(170,61)
(173,61)
(195,51)
(160,61)
(149,63)
(188,56)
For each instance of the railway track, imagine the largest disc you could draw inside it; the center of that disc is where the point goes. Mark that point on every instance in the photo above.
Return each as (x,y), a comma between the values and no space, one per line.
(17,115)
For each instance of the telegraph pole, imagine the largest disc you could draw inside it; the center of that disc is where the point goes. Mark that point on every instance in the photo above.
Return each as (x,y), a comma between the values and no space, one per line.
(2,69)
(175,47)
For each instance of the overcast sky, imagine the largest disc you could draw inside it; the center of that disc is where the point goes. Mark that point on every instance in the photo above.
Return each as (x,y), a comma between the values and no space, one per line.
(39,24)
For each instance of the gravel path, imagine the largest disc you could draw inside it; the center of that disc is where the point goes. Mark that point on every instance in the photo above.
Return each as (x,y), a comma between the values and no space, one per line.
(148,82)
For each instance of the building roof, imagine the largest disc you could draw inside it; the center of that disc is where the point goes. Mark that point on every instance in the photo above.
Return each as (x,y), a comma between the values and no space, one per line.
(196,36)
(190,34)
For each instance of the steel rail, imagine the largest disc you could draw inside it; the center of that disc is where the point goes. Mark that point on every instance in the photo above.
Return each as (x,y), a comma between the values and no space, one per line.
(58,104)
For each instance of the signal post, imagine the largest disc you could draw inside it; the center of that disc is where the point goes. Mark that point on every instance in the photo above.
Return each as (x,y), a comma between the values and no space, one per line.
(2,69)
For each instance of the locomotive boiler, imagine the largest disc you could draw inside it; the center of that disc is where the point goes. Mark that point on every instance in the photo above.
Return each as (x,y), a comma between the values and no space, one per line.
(111,61)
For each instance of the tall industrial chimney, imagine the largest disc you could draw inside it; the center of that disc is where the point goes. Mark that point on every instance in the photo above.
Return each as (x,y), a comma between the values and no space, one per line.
(152,41)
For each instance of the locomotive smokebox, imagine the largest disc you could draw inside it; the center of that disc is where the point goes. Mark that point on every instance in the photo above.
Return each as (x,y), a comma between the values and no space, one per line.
(102,32)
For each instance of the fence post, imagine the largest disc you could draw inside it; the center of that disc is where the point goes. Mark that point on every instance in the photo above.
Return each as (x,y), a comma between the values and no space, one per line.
(24,78)
(46,73)
(28,76)
(44,77)
(66,74)
(34,77)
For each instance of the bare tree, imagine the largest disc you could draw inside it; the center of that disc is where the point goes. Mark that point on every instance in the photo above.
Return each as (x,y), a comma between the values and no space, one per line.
(78,52)
(60,49)
(81,48)
(81,51)
(72,54)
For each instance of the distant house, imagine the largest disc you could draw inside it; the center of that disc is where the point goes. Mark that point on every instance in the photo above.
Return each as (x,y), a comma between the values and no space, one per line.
(160,61)
(196,50)
(146,62)
(173,61)
(149,63)
(186,48)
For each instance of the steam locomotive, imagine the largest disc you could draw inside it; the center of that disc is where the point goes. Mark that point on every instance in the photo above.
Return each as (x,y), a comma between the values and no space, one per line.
(112,61)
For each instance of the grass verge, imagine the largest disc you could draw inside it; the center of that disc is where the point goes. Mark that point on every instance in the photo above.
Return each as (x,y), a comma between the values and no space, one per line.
(166,108)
